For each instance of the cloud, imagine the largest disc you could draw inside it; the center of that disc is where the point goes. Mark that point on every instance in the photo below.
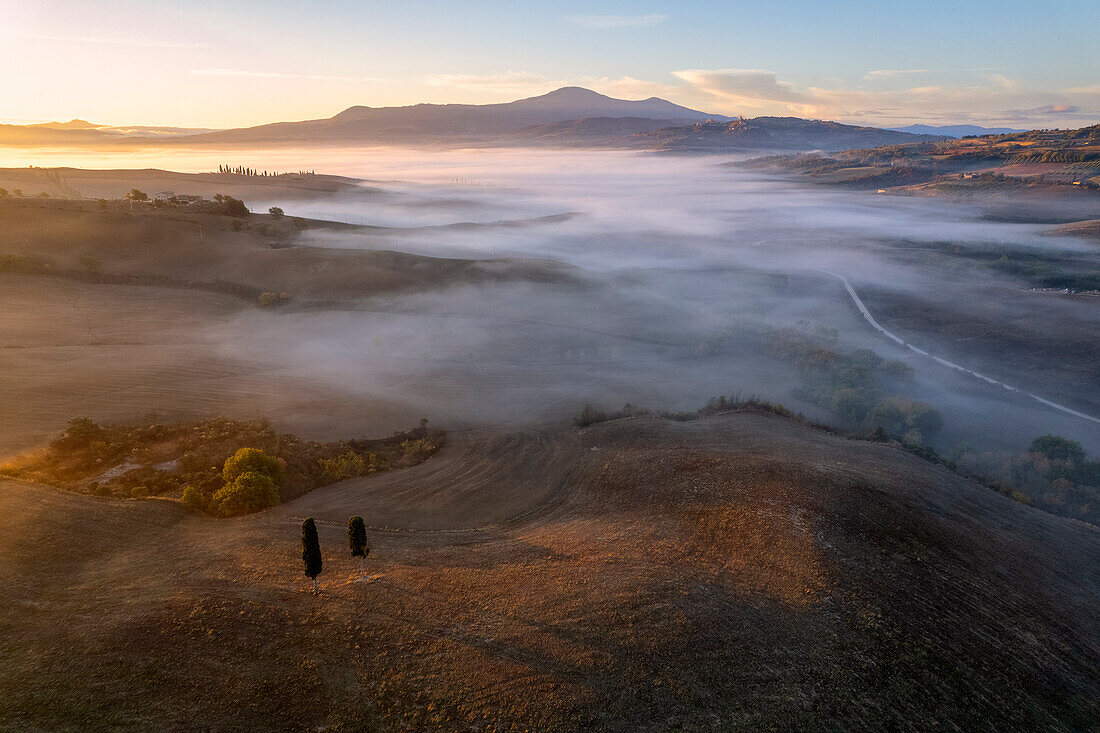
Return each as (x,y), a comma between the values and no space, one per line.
(138,43)
(881,73)
(1046,109)
(279,75)
(990,98)
(750,87)
(617,21)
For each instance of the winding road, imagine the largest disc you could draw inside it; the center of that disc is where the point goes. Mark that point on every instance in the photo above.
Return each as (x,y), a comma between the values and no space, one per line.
(875,324)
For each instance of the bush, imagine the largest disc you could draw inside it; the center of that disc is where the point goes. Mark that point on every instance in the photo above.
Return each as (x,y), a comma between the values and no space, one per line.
(267,298)
(249,492)
(1055,447)
(192,499)
(346,465)
(252,460)
(275,211)
(229,206)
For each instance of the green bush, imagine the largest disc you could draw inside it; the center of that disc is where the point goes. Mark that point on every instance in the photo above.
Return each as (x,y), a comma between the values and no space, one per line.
(249,492)
(252,460)
(192,499)
(346,465)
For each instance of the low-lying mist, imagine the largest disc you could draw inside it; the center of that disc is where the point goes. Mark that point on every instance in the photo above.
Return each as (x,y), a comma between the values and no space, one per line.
(684,278)
(685,270)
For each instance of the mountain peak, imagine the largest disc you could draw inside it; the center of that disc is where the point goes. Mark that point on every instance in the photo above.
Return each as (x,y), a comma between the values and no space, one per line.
(572,94)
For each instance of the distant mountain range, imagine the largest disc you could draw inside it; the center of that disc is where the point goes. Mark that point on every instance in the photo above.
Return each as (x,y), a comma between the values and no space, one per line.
(956,130)
(568,117)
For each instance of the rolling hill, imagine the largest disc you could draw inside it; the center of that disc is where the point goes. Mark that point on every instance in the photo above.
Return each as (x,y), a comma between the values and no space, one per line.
(741,572)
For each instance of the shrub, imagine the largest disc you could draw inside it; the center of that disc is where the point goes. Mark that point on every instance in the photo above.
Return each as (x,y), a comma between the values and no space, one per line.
(229,206)
(275,211)
(1055,447)
(249,492)
(417,450)
(252,460)
(192,499)
(346,465)
(267,298)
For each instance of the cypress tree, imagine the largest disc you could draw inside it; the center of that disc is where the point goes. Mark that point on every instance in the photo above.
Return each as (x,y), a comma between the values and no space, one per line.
(357,540)
(311,550)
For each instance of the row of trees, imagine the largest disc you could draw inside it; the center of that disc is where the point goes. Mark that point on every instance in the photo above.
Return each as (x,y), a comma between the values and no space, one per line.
(311,546)
(241,170)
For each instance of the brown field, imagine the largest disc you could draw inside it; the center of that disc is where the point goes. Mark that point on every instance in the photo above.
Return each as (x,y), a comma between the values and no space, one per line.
(738,573)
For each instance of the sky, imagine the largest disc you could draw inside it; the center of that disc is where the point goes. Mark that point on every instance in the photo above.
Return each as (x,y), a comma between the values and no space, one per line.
(232,63)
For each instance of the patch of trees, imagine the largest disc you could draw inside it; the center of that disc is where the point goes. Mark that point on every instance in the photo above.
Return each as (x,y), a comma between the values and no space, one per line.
(1052,474)
(859,387)
(220,466)
(242,170)
(226,205)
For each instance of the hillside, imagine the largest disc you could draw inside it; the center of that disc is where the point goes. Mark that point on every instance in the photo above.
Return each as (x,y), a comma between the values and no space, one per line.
(198,249)
(741,572)
(987,164)
(771,133)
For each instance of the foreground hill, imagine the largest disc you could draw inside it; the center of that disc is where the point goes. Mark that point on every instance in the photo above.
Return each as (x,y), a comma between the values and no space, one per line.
(741,572)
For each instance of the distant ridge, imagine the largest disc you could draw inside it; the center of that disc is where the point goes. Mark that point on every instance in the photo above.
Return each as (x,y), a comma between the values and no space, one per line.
(449,123)
(567,117)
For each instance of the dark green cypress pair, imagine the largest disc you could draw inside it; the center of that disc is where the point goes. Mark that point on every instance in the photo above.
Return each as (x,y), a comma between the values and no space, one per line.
(311,546)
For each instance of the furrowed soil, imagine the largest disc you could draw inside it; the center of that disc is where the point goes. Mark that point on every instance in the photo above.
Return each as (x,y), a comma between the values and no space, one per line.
(738,572)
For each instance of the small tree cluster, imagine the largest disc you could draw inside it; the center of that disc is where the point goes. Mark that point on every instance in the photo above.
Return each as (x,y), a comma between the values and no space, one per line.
(252,480)
(229,206)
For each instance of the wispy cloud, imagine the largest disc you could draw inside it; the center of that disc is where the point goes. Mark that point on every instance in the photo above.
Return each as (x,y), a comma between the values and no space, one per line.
(886,73)
(617,21)
(135,42)
(281,75)
(988,98)
(751,87)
